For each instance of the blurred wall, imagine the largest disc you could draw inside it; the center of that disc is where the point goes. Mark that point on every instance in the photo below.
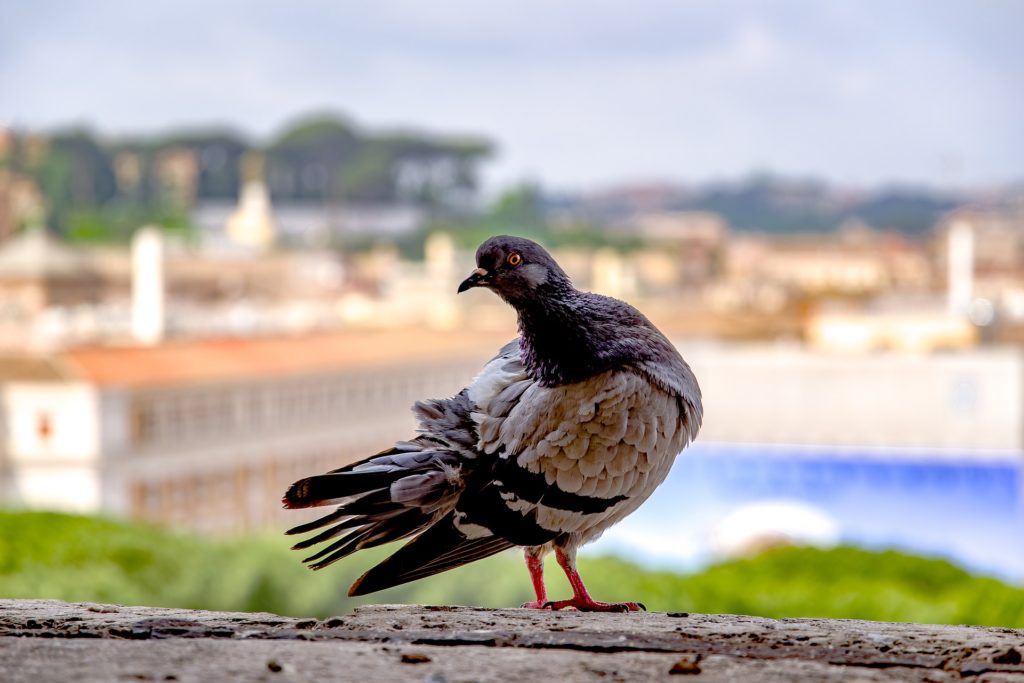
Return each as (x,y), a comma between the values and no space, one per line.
(966,400)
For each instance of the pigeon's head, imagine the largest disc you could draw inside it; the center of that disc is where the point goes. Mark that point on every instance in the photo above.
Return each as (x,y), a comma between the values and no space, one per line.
(515,269)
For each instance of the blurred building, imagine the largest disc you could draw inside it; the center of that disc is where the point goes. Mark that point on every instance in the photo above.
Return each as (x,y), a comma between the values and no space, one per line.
(920,329)
(697,241)
(983,252)
(39,275)
(178,170)
(852,263)
(788,394)
(21,203)
(208,434)
(37,270)
(312,223)
(53,294)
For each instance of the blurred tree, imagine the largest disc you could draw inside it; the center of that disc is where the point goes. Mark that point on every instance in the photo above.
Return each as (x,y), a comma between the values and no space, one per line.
(303,160)
(326,158)
(101,191)
(519,208)
(75,174)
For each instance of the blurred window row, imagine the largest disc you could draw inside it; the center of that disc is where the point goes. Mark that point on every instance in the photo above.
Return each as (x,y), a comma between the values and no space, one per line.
(192,415)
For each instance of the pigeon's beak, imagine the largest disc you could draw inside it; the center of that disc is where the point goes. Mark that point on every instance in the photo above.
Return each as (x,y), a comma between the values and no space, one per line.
(475,279)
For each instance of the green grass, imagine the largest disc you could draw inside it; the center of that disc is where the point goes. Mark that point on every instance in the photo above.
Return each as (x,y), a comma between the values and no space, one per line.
(49,555)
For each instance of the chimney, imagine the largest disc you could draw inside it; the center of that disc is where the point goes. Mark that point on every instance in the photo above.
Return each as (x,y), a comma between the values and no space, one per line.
(148,285)
(961,267)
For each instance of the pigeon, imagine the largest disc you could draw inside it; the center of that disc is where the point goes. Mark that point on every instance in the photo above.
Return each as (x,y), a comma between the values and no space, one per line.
(565,432)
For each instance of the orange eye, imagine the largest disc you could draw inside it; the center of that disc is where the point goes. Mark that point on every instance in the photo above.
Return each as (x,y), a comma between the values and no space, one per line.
(514,259)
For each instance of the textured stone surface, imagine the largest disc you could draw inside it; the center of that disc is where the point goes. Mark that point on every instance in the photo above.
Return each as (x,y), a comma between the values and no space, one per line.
(44,640)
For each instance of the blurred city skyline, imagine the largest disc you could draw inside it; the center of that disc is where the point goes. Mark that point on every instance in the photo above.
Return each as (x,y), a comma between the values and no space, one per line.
(575,96)
(231,236)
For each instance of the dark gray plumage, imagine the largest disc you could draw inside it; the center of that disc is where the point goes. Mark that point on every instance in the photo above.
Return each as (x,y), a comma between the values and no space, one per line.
(565,432)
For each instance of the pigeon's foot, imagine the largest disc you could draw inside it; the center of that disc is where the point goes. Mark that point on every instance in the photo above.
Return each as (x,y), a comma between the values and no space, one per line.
(534,562)
(536,604)
(588,604)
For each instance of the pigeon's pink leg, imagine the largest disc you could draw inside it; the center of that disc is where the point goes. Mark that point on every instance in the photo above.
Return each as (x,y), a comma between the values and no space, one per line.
(581,599)
(536,566)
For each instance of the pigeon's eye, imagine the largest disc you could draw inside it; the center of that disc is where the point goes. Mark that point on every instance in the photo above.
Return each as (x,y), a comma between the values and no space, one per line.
(514,259)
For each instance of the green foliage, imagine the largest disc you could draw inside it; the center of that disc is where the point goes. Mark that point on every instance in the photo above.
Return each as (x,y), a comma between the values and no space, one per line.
(317,133)
(116,222)
(369,175)
(75,172)
(49,555)
(519,208)
(88,181)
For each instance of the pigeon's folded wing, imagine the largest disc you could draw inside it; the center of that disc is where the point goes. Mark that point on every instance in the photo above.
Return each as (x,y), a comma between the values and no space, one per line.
(396,493)
(409,490)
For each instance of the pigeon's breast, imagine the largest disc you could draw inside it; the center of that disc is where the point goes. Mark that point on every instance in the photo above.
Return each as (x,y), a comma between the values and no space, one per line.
(607,436)
(611,438)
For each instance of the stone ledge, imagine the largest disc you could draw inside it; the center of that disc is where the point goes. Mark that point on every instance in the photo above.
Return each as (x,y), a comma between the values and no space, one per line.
(46,640)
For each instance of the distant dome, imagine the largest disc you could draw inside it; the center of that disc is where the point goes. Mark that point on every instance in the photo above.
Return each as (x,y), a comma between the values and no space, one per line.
(251,224)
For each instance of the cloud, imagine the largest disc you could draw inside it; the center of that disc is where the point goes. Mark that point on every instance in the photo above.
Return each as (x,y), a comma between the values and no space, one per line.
(576,93)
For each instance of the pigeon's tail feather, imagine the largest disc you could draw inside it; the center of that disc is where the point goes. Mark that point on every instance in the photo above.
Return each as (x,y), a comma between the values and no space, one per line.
(380,471)
(369,536)
(328,489)
(348,521)
(318,523)
(392,495)
(439,548)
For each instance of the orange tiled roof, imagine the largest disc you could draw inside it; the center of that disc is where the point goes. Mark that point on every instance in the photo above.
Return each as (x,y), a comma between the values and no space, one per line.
(191,361)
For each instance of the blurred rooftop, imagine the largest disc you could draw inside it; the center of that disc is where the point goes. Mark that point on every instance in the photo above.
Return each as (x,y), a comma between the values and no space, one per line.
(195,361)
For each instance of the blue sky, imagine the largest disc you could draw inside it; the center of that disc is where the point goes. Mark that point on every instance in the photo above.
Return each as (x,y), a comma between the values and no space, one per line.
(577,94)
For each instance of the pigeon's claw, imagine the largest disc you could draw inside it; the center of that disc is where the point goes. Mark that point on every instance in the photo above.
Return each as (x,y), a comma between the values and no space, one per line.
(536,604)
(590,605)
